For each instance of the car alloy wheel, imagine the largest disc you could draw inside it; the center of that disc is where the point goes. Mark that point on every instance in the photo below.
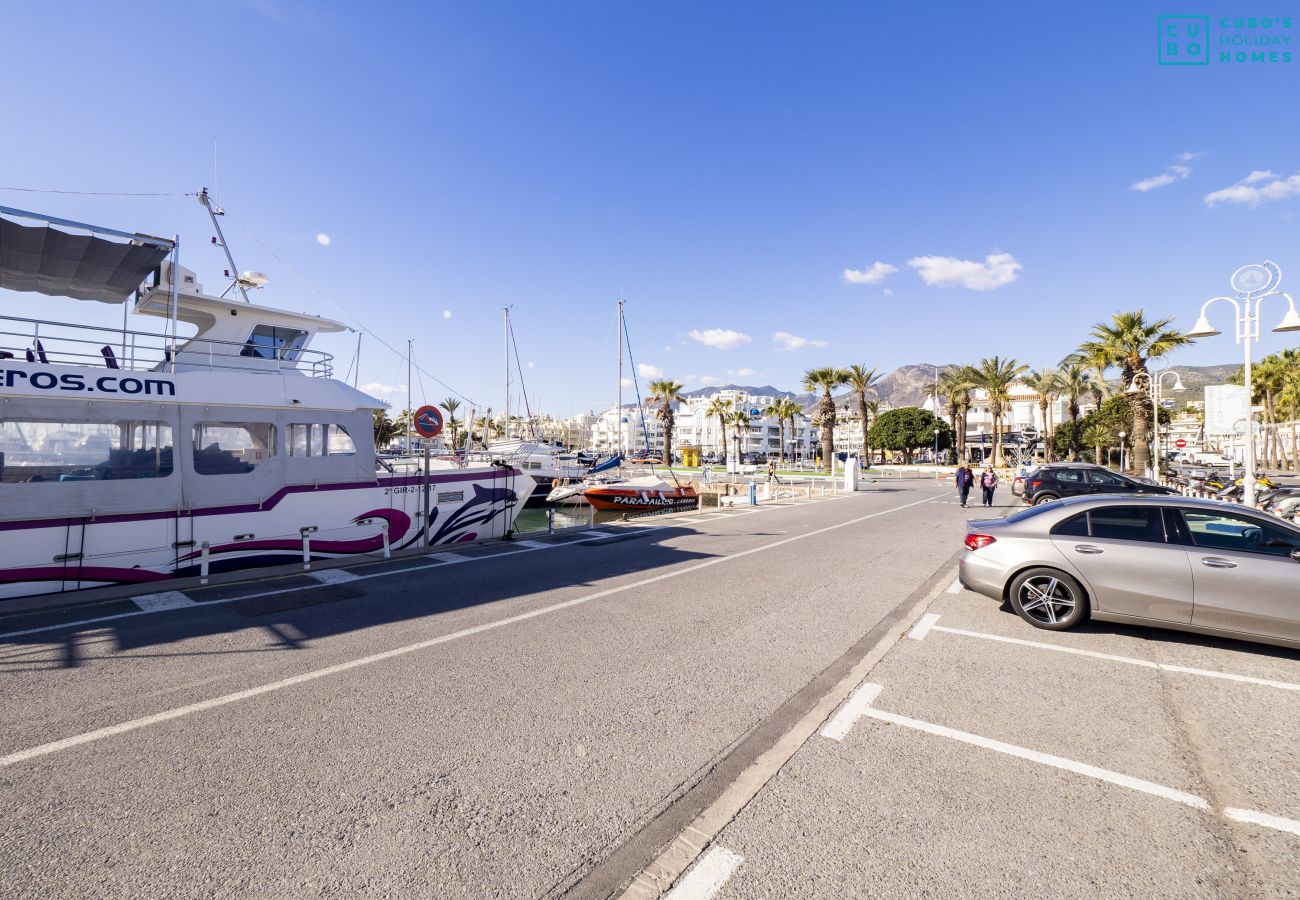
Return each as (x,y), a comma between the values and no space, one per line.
(1044,498)
(1050,599)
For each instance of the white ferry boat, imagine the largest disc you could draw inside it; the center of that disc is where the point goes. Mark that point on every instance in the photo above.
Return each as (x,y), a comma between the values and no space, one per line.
(132,457)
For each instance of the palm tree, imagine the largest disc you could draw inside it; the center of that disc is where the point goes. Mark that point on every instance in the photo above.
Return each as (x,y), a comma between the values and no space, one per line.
(781,409)
(666,392)
(722,409)
(1075,382)
(995,376)
(451,404)
(1096,435)
(385,428)
(862,379)
(826,379)
(1288,398)
(1045,383)
(739,418)
(955,385)
(873,407)
(1128,342)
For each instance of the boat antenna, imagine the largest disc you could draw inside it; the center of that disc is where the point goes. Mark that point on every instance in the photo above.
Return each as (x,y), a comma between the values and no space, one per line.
(233,272)
(519,367)
(505,415)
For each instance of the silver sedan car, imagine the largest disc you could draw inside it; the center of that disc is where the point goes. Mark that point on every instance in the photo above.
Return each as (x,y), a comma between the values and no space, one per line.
(1173,562)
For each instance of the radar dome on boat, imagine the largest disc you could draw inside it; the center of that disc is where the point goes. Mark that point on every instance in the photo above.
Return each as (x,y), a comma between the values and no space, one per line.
(253,279)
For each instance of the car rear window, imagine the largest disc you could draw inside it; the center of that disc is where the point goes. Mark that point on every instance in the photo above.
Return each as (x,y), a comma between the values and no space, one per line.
(1128,523)
(1075,526)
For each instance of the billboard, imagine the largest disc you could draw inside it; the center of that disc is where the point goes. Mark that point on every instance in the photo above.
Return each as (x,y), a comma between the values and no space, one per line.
(1225,405)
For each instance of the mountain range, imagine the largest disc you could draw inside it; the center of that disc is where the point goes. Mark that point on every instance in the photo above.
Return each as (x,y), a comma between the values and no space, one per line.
(908,385)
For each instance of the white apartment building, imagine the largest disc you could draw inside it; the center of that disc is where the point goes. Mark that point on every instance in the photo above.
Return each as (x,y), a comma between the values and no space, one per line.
(1020,413)
(694,427)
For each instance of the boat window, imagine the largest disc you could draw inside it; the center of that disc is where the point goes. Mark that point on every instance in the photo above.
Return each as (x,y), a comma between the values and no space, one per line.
(318,439)
(42,450)
(269,342)
(232,448)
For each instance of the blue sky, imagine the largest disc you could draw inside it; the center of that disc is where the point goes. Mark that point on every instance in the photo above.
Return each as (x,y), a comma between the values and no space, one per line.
(717,165)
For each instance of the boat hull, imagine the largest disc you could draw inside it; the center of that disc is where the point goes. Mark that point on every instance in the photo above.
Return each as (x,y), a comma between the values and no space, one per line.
(338,520)
(619,499)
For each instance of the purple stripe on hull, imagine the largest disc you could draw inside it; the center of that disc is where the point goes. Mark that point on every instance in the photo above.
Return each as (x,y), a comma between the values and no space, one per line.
(80,573)
(271,502)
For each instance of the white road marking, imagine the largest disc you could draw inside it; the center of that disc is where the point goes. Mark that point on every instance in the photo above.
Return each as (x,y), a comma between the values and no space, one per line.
(531,545)
(1258,818)
(161,601)
(955,587)
(707,876)
(1111,657)
(850,711)
(178,712)
(441,559)
(594,535)
(1046,759)
(333,576)
(923,626)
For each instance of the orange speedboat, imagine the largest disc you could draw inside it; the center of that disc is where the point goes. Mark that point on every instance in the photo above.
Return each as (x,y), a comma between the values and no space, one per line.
(642,495)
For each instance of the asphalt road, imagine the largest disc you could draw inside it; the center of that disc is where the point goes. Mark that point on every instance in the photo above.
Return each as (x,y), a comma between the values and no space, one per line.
(975,766)
(471,728)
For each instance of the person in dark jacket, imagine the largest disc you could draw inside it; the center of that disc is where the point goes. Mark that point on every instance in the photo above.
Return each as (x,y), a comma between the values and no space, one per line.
(989,484)
(964,479)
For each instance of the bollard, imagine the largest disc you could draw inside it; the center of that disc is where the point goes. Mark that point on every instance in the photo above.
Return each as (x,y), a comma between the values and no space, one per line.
(550,520)
(591,516)
(383,528)
(306,550)
(205,551)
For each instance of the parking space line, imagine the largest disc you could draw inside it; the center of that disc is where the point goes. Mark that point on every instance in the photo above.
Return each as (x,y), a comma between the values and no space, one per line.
(850,711)
(1258,818)
(333,576)
(1047,759)
(923,626)
(955,587)
(707,877)
(918,633)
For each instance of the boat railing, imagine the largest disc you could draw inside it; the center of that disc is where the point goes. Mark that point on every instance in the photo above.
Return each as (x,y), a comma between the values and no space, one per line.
(66,343)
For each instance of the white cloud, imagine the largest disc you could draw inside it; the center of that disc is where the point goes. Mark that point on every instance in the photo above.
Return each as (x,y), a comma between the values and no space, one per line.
(998,269)
(627,382)
(784,340)
(721,338)
(379,389)
(530,364)
(875,274)
(1260,186)
(646,370)
(323,239)
(889,292)
(745,373)
(710,381)
(668,348)
(1189,157)
(1168,176)
(446,314)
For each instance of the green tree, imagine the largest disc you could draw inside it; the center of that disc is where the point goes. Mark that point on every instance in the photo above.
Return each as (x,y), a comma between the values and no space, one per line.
(1128,342)
(995,376)
(385,428)
(722,410)
(862,379)
(1045,383)
(955,384)
(826,379)
(904,430)
(1075,383)
(667,393)
(451,405)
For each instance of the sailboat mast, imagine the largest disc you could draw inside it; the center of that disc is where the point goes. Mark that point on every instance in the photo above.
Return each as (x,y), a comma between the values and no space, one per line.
(408,393)
(505,416)
(618,410)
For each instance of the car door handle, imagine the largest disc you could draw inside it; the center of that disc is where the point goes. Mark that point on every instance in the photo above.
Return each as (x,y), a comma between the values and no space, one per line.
(1086,548)
(1218,562)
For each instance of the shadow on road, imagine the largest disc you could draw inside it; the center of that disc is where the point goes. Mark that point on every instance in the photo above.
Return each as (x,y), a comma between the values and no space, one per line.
(410,590)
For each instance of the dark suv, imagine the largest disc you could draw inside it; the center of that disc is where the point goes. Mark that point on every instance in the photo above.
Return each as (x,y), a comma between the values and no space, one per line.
(1052,482)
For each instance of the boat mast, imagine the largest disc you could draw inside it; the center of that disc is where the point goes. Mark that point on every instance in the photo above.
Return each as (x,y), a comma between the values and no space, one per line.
(213,212)
(408,393)
(505,416)
(618,410)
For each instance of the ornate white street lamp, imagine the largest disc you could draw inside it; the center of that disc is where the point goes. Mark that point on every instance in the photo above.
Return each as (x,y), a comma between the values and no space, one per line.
(1153,385)
(1252,283)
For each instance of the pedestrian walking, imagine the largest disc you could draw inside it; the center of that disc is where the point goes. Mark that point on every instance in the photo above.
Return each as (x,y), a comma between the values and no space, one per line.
(964,479)
(989,484)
